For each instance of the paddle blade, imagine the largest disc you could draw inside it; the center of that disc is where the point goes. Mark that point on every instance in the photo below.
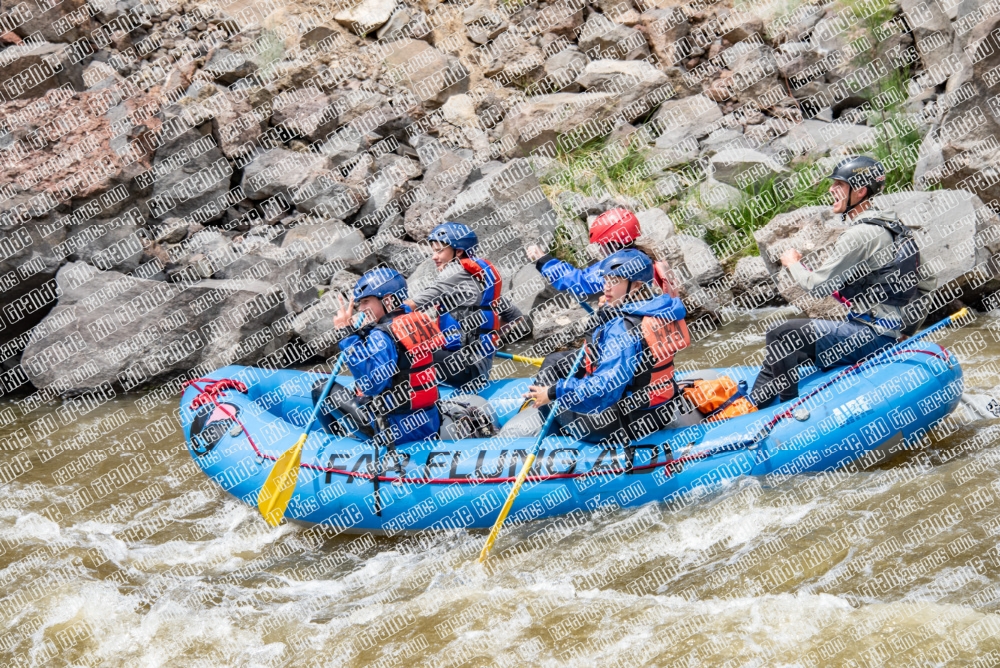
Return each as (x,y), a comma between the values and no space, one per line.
(280,484)
(495,531)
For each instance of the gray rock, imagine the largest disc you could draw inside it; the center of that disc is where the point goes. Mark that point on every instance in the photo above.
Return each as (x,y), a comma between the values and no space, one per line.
(754,70)
(816,139)
(553,318)
(720,196)
(19,84)
(315,324)
(152,330)
(563,68)
(665,30)
(201,180)
(512,59)
(434,81)
(750,273)
(743,168)
(445,174)
(302,179)
(306,113)
(601,38)
(684,120)
(508,211)
(657,229)
(541,119)
(699,260)
(228,67)
(632,79)
(367,16)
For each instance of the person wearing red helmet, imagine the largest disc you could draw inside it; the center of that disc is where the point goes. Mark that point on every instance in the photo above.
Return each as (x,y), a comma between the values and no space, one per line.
(613,230)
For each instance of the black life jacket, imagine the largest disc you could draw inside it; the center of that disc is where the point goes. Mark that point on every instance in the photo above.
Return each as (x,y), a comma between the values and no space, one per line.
(894,283)
(661,339)
(416,337)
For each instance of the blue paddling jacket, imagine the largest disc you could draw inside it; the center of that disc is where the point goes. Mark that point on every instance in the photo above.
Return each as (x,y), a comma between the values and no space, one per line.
(567,278)
(373,356)
(617,344)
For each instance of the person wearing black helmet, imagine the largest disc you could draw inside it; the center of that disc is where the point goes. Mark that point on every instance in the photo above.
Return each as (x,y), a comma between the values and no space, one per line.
(471,310)
(627,377)
(872,270)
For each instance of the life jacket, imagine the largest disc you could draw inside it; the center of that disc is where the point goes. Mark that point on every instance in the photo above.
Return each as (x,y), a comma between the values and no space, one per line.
(719,399)
(897,279)
(661,339)
(416,337)
(489,280)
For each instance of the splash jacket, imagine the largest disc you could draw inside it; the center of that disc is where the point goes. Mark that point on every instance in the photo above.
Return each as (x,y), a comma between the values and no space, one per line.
(393,356)
(619,355)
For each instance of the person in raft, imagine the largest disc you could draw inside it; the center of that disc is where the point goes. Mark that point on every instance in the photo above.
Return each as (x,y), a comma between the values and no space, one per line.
(613,230)
(472,313)
(873,270)
(390,354)
(627,378)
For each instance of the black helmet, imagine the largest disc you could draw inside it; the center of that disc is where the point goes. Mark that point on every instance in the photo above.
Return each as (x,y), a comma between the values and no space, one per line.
(860,171)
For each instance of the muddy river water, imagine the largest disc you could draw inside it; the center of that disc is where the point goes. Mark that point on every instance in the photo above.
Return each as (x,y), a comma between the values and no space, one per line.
(116,551)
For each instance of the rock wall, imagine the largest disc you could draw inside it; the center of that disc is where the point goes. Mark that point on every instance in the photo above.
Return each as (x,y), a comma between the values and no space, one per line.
(158,158)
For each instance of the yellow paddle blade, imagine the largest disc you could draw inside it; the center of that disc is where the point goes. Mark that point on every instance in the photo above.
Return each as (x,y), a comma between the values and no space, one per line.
(959,315)
(495,531)
(280,484)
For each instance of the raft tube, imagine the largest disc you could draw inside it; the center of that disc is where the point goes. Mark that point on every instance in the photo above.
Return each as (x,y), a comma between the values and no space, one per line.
(239,420)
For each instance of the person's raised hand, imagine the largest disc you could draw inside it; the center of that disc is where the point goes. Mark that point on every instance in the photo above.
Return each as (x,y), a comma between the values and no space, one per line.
(534,252)
(342,318)
(790,257)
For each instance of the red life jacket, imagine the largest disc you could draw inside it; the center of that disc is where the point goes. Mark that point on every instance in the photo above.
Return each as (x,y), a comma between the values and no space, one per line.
(416,337)
(661,339)
(489,280)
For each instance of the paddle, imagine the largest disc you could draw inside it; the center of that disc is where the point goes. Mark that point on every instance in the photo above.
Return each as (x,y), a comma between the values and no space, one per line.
(495,531)
(537,361)
(280,484)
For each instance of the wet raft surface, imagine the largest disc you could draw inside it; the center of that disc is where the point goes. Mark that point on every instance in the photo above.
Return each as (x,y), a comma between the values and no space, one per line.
(116,550)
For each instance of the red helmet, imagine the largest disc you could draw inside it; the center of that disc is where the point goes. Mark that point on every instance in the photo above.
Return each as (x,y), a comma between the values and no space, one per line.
(615,225)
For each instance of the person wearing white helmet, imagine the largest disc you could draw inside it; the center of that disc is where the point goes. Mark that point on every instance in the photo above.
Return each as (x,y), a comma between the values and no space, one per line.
(873,270)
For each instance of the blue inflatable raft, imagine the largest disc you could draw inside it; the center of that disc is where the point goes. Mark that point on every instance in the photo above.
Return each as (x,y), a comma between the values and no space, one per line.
(239,420)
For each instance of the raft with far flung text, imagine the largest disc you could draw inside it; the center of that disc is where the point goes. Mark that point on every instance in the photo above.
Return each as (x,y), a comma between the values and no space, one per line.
(239,420)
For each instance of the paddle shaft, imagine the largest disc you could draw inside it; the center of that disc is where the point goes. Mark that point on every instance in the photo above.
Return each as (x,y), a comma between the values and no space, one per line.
(277,490)
(528,462)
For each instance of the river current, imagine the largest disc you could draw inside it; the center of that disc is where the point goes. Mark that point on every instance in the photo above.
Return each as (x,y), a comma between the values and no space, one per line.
(115,550)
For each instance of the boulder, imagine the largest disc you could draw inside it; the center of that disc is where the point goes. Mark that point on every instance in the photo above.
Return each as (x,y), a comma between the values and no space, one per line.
(754,71)
(750,273)
(508,211)
(744,168)
(563,68)
(302,179)
(657,228)
(203,178)
(512,59)
(428,74)
(601,38)
(968,129)
(49,60)
(699,260)
(228,67)
(817,139)
(553,317)
(631,79)
(541,119)
(482,23)
(305,113)
(685,120)
(445,174)
(315,324)
(151,330)
(232,133)
(366,16)
(52,23)
(665,30)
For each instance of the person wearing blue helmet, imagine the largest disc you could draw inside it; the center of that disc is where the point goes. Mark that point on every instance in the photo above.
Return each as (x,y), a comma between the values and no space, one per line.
(626,384)
(389,349)
(473,315)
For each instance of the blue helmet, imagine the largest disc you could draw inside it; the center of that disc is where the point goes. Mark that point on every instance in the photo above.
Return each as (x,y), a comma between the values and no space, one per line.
(380,283)
(630,264)
(458,236)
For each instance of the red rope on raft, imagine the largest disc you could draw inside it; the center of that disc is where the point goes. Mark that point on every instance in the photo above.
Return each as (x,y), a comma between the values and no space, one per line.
(227,383)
